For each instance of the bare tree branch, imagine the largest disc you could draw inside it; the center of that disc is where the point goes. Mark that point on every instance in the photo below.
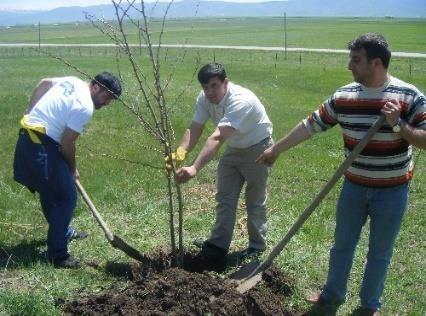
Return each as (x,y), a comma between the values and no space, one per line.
(136,72)
(154,115)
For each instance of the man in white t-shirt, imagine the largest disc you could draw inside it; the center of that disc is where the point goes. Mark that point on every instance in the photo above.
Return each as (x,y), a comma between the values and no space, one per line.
(45,160)
(242,122)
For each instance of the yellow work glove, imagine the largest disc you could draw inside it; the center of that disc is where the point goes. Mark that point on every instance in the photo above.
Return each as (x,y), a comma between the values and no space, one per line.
(177,158)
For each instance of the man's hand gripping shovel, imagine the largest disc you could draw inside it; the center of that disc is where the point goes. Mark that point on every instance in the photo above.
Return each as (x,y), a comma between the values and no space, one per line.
(255,272)
(114,240)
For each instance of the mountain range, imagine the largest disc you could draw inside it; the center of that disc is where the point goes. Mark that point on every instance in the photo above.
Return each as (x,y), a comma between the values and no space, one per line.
(196,8)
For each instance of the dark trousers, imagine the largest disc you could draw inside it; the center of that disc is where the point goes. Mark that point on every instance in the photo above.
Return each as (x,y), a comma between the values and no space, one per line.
(41,168)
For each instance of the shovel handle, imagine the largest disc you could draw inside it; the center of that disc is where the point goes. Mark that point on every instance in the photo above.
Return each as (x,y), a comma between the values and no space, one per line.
(94,211)
(320,196)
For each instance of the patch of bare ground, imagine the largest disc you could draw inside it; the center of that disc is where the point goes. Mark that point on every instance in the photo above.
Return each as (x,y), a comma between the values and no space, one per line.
(156,288)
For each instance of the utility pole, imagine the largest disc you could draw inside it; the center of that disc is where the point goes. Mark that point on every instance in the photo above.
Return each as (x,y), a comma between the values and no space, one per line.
(140,38)
(39,38)
(285,35)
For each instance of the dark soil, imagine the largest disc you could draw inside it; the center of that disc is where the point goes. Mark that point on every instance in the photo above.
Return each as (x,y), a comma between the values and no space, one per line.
(156,288)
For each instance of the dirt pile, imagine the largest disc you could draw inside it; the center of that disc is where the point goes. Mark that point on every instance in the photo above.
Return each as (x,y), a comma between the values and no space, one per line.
(158,289)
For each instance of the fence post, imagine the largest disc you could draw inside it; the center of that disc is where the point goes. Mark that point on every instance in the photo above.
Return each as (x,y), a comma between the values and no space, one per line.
(39,38)
(285,34)
(140,38)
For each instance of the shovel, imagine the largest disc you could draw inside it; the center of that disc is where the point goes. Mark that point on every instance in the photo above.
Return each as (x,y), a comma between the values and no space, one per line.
(114,240)
(256,275)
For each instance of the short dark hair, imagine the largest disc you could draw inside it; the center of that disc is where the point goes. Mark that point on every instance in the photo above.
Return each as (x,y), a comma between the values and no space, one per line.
(375,46)
(108,81)
(211,70)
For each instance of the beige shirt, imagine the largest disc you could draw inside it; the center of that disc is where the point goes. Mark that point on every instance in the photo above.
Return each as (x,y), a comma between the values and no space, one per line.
(239,109)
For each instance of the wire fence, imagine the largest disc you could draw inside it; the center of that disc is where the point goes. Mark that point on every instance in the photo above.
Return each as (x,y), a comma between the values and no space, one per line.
(229,56)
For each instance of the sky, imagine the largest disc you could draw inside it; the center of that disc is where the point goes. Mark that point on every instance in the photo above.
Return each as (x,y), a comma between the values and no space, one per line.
(51,4)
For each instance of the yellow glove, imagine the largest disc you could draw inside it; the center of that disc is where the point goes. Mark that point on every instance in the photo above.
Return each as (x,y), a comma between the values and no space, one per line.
(177,158)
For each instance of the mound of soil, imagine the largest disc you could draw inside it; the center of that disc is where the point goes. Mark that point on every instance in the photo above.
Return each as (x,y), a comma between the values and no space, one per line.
(156,288)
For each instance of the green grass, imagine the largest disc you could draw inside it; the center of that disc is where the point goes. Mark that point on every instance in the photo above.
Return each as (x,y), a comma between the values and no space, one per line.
(301,32)
(132,196)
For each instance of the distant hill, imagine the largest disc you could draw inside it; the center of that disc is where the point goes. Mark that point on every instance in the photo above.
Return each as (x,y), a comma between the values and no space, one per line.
(193,8)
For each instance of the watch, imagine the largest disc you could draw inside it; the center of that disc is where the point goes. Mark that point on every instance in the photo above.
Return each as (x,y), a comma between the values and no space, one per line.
(397,127)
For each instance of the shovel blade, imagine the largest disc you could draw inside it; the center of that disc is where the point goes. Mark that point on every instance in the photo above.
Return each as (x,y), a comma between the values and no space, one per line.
(244,276)
(249,283)
(119,243)
(244,271)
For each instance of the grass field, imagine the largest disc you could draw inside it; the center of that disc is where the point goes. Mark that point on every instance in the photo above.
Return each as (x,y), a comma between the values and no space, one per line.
(301,32)
(132,196)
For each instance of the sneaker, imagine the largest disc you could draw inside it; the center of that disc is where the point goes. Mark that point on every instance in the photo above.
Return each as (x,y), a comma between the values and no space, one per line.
(68,262)
(78,235)
(251,253)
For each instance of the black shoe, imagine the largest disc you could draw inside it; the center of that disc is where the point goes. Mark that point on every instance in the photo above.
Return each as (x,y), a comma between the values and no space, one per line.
(68,262)
(78,235)
(212,257)
(199,243)
(251,253)
(211,250)
(364,311)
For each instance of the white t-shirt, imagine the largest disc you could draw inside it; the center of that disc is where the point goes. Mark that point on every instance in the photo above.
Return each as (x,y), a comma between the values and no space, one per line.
(239,109)
(67,103)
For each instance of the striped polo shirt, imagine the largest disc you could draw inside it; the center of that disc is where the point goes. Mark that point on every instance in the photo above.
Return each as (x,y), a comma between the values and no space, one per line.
(386,161)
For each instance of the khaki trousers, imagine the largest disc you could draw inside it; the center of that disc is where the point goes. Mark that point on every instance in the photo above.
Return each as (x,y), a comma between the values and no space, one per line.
(236,167)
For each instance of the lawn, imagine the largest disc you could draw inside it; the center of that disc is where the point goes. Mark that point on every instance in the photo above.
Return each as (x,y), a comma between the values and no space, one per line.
(122,173)
(403,34)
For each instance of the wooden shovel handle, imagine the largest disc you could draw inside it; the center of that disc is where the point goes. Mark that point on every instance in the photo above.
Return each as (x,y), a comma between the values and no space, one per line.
(95,212)
(320,196)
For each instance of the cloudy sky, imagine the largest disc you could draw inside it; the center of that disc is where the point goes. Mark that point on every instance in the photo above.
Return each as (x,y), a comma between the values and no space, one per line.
(50,4)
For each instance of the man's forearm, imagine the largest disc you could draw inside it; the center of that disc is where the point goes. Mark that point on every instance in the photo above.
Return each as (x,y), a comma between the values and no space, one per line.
(68,152)
(191,136)
(297,135)
(414,136)
(187,143)
(210,148)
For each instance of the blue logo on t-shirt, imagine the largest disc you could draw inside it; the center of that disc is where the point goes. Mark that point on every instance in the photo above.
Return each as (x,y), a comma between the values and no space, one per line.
(68,88)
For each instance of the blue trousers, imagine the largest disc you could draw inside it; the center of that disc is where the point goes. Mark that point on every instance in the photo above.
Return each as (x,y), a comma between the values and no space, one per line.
(41,168)
(385,207)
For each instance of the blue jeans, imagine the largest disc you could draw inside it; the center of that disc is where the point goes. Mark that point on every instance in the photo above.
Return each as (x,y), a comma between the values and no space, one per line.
(41,168)
(385,207)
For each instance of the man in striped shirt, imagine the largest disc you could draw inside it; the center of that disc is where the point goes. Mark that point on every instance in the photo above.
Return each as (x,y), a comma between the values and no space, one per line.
(377,182)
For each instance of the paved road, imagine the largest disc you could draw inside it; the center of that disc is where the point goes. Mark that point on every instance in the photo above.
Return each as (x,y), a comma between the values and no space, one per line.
(258,48)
